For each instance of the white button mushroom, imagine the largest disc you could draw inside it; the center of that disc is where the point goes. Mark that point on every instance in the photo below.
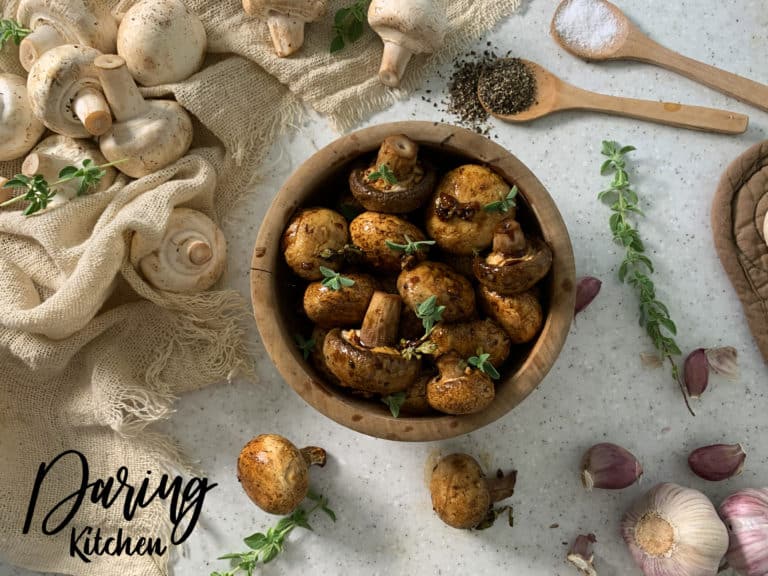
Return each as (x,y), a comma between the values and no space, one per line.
(190,258)
(83,22)
(162,41)
(19,127)
(286,19)
(407,27)
(765,230)
(147,134)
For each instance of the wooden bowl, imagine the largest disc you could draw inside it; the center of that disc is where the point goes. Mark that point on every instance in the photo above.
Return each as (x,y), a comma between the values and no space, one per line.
(276,295)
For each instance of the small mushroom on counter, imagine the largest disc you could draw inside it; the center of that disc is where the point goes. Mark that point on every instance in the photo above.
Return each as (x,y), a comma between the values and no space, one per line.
(162,42)
(398,182)
(275,474)
(364,359)
(461,494)
(286,20)
(516,264)
(20,129)
(520,315)
(459,388)
(329,308)
(428,279)
(190,257)
(311,233)
(465,339)
(457,217)
(379,235)
(407,27)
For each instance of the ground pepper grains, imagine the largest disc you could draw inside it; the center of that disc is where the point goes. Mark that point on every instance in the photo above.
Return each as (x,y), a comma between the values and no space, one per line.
(507,86)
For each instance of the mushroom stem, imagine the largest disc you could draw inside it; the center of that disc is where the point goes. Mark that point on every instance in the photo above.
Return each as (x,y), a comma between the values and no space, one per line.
(47,165)
(502,487)
(119,87)
(287,33)
(508,238)
(381,320)
(314,456)
(393,64)
(93,111)
(199,252)
(399,153)
(43,38)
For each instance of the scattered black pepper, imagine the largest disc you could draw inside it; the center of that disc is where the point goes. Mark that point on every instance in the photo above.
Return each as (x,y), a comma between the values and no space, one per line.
(507,86)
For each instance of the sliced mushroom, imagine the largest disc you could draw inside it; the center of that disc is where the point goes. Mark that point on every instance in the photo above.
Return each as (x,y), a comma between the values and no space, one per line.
(520,315)
(516,264)
(20,129)
(428,279)
(310,240)
(467,338)
(461,494)
(286,20)
(364,359)
(414,180)
(371,232)
(459,389)
(457,217)
(275,474)
(329,308)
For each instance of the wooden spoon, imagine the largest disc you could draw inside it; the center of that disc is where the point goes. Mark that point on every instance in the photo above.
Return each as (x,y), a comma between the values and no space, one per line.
(631,44)
(553,95)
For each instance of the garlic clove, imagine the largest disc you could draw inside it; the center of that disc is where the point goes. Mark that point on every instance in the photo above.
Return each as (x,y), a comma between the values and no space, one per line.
(610,467)
(746,516)
(587,289)
(696,372)
(724,361)
(581,555)
(717,462)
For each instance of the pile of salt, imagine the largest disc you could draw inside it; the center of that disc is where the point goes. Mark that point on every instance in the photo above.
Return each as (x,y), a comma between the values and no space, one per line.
(587,24)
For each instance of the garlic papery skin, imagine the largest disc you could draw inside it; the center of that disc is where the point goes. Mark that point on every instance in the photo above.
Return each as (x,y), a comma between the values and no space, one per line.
(609,466)
(746,516)
(675,531)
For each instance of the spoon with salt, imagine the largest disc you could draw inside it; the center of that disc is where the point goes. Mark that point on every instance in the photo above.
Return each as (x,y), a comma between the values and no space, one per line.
(554,95)
(599,30)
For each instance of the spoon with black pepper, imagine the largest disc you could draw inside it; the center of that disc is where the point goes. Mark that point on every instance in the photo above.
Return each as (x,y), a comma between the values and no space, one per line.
(516,90)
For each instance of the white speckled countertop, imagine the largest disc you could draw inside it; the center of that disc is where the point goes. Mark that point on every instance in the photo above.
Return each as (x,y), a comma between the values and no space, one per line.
(597,391)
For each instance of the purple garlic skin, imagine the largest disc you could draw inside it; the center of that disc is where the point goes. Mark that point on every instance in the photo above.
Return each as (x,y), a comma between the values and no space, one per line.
(746,516)
(696,373)
(581,555)
(609,466)
(717,462)
(587,289)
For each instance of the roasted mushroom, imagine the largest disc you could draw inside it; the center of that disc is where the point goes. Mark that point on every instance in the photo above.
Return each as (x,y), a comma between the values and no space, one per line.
(415,403)
(316,355)
(398,182)
(364,359)
(520,315)
(387,241)
(460,217)
(516,264)
(275,474)
(465,339)
(459,389)
(312,239)
(428,279)
(461,494)
(329,308)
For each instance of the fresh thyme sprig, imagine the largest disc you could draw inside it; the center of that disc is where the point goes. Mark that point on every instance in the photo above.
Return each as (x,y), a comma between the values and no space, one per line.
(306,346)
(334,280)
(348,24)
(429,313)
(482,363)
(394,402)
(383,172)
(505,204)
(265,547)
(12,30)
(410,246)
(636,267)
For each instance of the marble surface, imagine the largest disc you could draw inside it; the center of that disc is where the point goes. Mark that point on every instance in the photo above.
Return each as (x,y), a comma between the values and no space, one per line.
(597,391)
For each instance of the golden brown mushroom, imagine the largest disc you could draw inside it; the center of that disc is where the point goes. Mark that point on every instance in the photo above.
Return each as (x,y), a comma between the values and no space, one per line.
(520,315)
(415,403)
(380,237)
(329,308)
(428,279)
(459,389)
(310,234)
(466,338)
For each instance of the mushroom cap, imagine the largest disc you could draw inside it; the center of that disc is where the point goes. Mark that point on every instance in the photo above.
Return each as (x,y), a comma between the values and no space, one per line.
(465,339)
(520,315)
(469,188)
(273,473)
(162,41)
(458,389)
(306,10)
(308,234)
(460,495)
(190,257)
(514,274)
(316,355)
(329,308)
(381,370)
(428,279)
(371,230)
(19,127)
(417,25)
(393,198)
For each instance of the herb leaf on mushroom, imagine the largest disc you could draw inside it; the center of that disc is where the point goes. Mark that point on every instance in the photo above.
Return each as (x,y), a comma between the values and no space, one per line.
(430,313)
(482,363)
(334,280)
(505,204)
(12,30)
(383,172)
(410,247)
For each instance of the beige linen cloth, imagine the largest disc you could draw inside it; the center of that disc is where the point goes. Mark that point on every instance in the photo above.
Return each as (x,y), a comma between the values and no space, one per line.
(90,354)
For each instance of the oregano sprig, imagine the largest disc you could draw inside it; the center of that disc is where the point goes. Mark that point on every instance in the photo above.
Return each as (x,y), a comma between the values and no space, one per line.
(636,267)
(12,30)
(305,345)
(429,313)
(410,247)
(482,363)
(383,172)
(334,280)
(349,24)
(505,204)
(394,402)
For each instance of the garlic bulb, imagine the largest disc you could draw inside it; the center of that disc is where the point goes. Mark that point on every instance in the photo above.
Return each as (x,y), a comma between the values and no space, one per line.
(746,515)
(675,531)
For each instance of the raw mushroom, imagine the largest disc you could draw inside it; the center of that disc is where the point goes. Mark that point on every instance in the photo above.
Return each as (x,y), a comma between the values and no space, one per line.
(516,264)
(56,23)
(5,193)
(329,308)
(459,389)
(364,359)
(428,279)
(54,153)
(275,474)
(407,27)
(19,127)
(765,230)
(66,94)
(370,232)
(456,216)
(148,135)
(413,180)
(162,42)
(190,257)
(465,339)
(520,315)
(461,494)
(310,234)
(286,20)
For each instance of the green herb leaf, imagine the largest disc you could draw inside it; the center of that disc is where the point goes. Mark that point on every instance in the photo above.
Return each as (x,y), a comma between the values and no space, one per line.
(482,363)
(394,401)
(505,204)
(12,30)
(383,172)
(337,43)
(410,247)
(349,24)
(305,345)
(334,280)
(429,313)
